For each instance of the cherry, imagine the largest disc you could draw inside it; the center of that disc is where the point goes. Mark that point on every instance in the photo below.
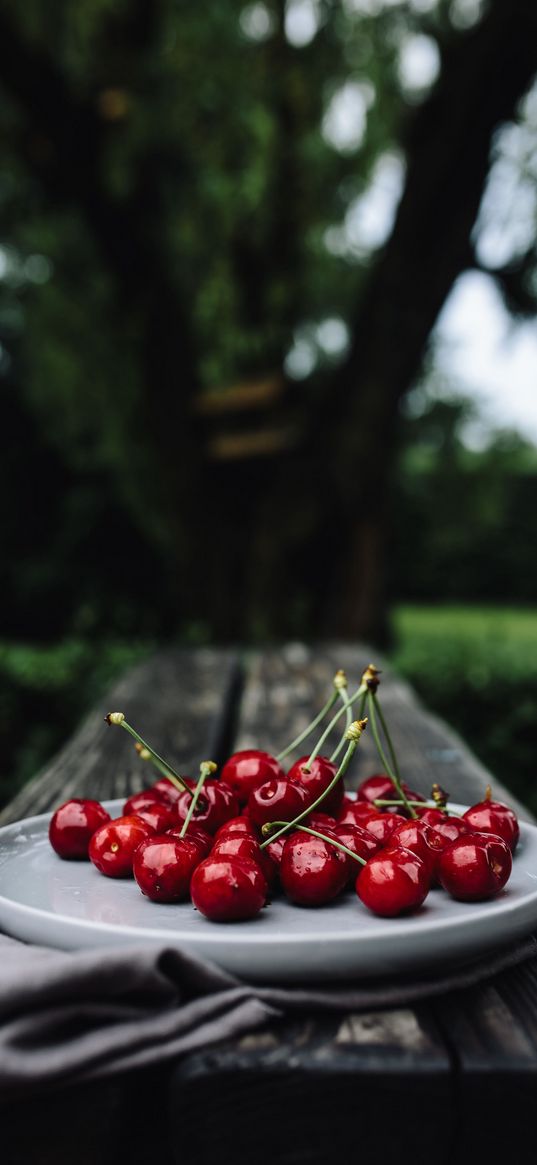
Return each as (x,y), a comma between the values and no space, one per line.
(423,840)
(194,833)
(169,792)
(240,845)
(112,847)
(316,780)
(450,828)
(357,812)
(275,849)
(242,825)
(320,821)
(216,805)
(163,867)
(312,871)
(144,800)
(381,787)
(359,841)
(228,889)
(475,867)
(494,817)
(382,826)
(159,816)
(248,769)
(393,882)
(73,825)
(277,800)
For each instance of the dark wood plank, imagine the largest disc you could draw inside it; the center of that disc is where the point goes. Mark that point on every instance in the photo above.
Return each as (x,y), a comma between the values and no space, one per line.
(305,1092)
(180,701)
(492,1035)
(286,685)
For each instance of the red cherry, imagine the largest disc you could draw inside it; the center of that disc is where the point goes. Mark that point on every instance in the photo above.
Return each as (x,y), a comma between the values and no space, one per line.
(422,840)
(159,816)
(169,792)
(216,805)
(316,780)
(450,828)
(144,800)
(73,825)
(112,847)
(277,800)
(239,845)
(320,821)
(475,867)
(194,833)
(358,839)
(494,817)
(228,889)
(312,871)
(382,825)
(163,867)
(381,787)
(275,849)
(357,812)
(360,842)
(247,770)
(393,882)
(241,825)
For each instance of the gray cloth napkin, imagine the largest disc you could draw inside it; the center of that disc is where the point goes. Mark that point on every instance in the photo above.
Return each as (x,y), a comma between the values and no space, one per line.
(73,1016)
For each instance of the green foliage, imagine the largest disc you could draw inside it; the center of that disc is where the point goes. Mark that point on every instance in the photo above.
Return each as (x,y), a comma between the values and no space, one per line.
(477,667)
(43,694)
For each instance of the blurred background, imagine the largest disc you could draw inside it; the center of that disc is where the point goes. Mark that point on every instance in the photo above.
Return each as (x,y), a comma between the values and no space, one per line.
(268,347)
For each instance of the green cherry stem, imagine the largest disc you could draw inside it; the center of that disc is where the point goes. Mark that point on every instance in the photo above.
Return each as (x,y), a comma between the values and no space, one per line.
(324,837)
(372,709)
(170,773)
(385,730)
(418,804)
(146,754)
(302,735)
(360,716)
(346,703)
(399,801)
(353,736)
(206,768)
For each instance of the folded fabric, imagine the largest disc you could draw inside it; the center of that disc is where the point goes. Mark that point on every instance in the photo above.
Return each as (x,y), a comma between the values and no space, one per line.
(73,1016)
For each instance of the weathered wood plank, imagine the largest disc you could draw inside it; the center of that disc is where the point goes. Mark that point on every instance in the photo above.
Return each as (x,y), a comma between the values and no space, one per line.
(302,1093)
(285,686)
(492,1033)
(181,701)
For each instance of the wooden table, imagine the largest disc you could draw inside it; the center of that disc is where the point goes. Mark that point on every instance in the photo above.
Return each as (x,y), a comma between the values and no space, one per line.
(450,1080)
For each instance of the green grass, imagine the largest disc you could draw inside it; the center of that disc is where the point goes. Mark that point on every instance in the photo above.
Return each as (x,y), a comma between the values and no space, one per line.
(477,667)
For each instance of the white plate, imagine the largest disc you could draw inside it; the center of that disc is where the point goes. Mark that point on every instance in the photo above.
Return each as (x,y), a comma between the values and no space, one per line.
(71,906)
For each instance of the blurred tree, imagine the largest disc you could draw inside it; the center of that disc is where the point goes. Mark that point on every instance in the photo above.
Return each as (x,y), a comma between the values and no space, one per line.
(199,368)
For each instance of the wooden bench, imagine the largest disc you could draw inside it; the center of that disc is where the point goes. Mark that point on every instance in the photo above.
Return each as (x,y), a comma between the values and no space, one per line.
(448,1080)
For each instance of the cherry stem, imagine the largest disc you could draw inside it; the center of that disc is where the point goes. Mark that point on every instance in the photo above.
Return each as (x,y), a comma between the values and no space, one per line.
(302,735)
(395,801)
(373,708)
(157,764)
(205,769)
(419,804)
(169,772)
(324,837)
(346,703)
(305,812)
(360,716)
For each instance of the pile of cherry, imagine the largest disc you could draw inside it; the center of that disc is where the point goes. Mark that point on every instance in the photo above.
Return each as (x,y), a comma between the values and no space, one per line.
(227,865)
